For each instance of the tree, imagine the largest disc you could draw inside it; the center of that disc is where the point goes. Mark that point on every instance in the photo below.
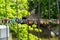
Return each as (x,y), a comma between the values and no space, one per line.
(33,4)
(11,8)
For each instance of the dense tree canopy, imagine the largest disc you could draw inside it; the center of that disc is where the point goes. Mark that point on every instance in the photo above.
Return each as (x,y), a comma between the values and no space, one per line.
(24,5)
(33,4)
(11,8)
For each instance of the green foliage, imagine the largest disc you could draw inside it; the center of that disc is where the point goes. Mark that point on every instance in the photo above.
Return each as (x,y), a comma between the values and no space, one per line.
(22,6)
(32,37)
(34,25)
(30,28)
(33,4)
(23,31)
(11,8)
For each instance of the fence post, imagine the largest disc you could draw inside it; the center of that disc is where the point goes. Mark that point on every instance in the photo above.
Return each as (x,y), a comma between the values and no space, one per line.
(49,19)
(58,9)
(38,18)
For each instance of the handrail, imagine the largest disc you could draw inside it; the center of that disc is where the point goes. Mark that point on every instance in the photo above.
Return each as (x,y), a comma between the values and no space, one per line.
(42,21)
